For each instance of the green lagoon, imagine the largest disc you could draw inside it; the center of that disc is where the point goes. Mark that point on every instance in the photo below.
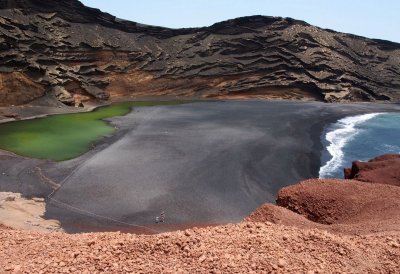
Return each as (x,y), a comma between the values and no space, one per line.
(65,136)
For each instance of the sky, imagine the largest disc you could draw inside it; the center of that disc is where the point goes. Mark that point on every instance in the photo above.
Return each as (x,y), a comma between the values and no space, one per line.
(370,18)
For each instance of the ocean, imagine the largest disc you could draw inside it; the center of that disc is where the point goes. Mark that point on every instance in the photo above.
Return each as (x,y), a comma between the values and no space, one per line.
(360,137)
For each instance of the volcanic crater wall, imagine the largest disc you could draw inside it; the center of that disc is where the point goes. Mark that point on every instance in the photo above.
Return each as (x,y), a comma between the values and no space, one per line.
(73,53)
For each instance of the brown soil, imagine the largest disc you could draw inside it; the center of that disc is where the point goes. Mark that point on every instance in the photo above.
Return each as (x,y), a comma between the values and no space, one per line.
(16,88)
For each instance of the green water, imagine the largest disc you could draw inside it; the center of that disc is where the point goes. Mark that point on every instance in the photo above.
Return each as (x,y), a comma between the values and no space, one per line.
(65,136)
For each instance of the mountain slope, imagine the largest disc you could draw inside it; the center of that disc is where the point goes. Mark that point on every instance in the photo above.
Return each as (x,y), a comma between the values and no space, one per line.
(73,53)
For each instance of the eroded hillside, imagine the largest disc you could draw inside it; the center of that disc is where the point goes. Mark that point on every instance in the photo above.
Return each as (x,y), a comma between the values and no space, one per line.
(73,53)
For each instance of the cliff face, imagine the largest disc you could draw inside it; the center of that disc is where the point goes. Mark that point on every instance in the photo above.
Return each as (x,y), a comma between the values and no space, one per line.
(73,53)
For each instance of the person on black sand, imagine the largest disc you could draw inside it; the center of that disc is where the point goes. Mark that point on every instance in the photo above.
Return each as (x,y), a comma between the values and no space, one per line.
(161,218)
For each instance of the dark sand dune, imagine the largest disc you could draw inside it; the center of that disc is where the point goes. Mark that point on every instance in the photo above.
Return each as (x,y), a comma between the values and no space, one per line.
(209,162)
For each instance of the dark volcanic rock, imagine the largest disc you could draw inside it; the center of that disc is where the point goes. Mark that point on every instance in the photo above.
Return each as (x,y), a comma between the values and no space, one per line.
(96,55)
(380,170)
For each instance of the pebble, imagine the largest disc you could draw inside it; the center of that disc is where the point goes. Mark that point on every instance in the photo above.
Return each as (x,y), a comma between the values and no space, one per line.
(281,263)
(202,258)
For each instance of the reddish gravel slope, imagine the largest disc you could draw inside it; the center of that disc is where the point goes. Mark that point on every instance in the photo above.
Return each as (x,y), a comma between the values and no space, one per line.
(243,248)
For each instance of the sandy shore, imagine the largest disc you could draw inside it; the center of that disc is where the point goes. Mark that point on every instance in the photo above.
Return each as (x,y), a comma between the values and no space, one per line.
(26,214)
(27,112)
(201,163)
(213,162)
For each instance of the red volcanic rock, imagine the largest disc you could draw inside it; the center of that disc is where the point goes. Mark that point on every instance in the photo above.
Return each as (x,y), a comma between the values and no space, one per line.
(279,215)
(343,206)
(343,202)
(381,170)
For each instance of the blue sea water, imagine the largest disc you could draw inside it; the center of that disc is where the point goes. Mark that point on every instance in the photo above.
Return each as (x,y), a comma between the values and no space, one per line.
(360,137)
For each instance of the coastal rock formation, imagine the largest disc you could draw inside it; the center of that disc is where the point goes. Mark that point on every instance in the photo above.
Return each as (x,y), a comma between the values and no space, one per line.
(345,206)
(73,53)
(341,201)
(380,170)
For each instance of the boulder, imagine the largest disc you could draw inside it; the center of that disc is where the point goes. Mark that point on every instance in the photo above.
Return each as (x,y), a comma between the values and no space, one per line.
(63,95)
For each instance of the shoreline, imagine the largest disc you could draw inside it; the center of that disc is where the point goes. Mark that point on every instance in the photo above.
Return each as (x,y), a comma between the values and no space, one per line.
(345,128)
(312,158)
(71,134)
(346,132)
(20,109)
(64,110)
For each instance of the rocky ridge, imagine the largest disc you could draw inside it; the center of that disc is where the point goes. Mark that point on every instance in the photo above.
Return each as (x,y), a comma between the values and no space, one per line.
(72,53)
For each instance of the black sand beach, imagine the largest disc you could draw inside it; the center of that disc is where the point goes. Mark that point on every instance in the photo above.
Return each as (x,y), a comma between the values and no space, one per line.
(202,163)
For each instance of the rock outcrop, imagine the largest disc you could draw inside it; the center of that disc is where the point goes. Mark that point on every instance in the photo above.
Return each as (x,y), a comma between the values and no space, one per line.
(347,203)
(345,206)
(341,201)
(380,170)
(71,52)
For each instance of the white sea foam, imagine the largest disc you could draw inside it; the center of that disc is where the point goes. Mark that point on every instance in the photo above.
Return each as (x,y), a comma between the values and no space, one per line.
(343,131)
(390,148)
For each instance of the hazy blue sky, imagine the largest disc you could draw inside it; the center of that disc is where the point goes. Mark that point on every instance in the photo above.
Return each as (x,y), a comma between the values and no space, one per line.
(370,18)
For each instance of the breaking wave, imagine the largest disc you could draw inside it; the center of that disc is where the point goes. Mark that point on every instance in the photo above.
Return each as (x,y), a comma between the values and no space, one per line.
(341,133)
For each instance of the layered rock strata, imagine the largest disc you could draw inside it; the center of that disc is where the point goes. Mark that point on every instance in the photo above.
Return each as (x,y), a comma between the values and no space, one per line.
(73,53)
